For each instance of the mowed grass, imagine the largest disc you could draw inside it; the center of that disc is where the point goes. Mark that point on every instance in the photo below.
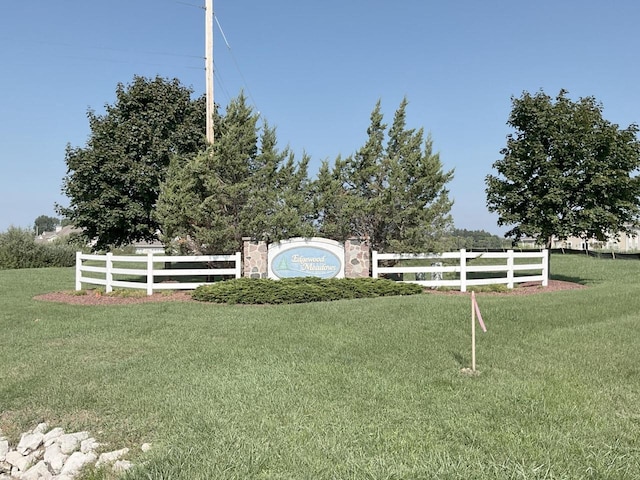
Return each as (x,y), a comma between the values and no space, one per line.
(358,389)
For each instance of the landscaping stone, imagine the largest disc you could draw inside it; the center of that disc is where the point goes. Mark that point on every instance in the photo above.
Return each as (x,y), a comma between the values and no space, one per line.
(89,445)
(17,460)
(29,442)
(39,471)
(41,428)
(121,466)
(4,448)
(51,436)
(56,455)
(76,462)
(111,457)
(70,442)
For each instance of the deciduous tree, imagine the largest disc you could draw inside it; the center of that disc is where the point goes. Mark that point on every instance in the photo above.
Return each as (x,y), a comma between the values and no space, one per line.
(566,171)
(45,223)
(113,182)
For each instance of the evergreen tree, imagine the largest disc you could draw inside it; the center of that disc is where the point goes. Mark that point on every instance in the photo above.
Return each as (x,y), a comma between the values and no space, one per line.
(241,186)
(395,194)
(280,205)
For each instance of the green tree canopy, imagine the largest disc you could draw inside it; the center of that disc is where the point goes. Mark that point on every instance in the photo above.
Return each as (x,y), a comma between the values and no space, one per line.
(45,223)
(113,182)
(392,193)
(241,186)
(566,171)
(478,239)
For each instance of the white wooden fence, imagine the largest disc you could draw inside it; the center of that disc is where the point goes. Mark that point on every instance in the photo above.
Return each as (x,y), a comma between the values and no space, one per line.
(507,264)
(153,276)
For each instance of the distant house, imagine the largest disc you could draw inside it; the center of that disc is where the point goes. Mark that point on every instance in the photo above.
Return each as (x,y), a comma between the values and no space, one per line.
(625,243)
(60,232)
(148,247)
(64,232)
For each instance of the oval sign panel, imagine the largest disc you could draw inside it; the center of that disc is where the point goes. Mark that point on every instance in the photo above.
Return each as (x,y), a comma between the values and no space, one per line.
(306,261)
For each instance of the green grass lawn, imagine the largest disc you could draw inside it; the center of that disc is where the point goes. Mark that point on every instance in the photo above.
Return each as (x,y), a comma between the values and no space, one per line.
(358,389)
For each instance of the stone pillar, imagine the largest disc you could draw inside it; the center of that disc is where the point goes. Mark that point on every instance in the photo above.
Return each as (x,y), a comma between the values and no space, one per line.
(254,258)
(357,258)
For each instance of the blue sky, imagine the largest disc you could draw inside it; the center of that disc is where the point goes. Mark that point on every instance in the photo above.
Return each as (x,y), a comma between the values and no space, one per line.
(314,70)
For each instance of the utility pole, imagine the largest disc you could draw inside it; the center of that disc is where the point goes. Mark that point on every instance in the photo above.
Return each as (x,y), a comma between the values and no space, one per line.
(208,64)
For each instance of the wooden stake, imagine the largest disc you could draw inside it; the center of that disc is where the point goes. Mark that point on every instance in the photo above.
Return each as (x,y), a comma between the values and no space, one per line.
(473,331)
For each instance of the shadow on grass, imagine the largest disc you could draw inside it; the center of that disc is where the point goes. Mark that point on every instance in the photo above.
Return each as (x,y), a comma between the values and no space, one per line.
(567,278)
(457,356)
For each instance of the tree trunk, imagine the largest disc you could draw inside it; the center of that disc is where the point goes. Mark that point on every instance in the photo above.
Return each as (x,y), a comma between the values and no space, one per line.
(548,247)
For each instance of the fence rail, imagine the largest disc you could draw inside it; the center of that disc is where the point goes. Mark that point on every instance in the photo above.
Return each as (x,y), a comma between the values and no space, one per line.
(107,270)
(507,268)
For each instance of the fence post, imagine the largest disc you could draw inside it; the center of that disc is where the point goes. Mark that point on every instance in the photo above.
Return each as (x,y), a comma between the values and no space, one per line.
(463,270)
(108,274)
(545,267)
(374,264)
(510,263)
(149,273)
(238,264)
(78,270)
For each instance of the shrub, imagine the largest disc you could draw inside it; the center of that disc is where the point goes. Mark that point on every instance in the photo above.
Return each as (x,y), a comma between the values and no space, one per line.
(299,290)
(58,254)
(18,249)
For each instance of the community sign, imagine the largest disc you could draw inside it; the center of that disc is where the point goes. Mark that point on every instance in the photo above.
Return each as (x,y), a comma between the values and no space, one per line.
(306,257)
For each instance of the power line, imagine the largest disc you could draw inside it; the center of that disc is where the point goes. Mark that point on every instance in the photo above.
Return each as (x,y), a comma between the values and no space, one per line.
(119,50)
(220,82)
(190,4)
(235,61)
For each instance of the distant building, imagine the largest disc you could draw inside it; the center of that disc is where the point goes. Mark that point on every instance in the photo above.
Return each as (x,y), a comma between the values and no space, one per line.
(60,232)
(148,247)
(625,243)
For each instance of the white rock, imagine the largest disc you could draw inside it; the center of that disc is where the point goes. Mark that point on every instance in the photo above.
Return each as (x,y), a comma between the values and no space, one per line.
(18,461)
(4,476)
(68,443)
(29,442)
(4,448)
(38,472)
(110,457)
(121,466)
(89,445)
(54,457)
(145,447)
(76,462)
(50,436)
(5,467)
(81,435)
(62,477)
(41,428)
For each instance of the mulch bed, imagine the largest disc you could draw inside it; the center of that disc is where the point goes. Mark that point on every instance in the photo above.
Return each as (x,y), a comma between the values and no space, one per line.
(527,288)
(96,298)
